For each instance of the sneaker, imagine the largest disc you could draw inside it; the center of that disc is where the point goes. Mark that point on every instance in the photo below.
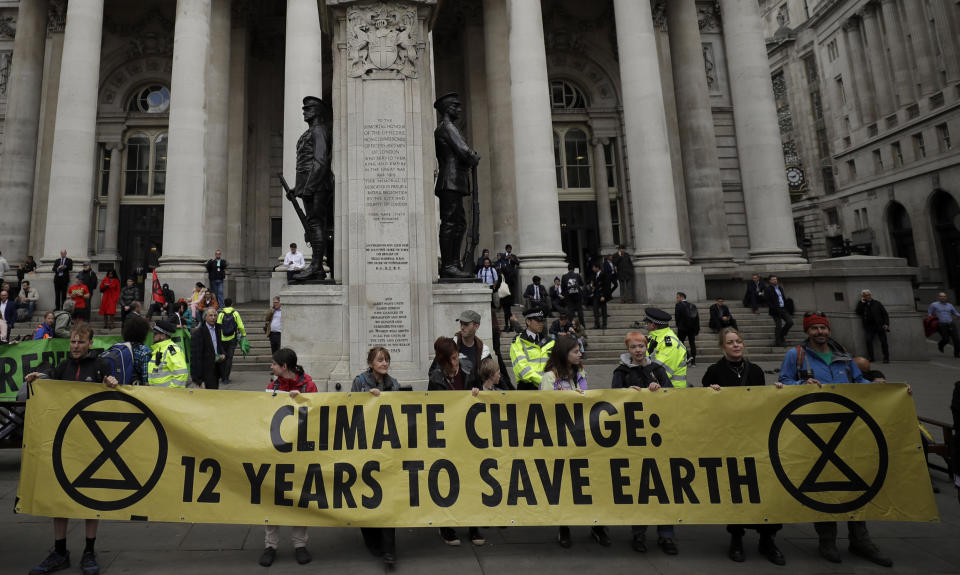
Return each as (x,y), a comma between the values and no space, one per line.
(769,550)
(88,563)
(267,557)
(389,560)
(639,544)
(828,550)
(563,537)
(475,537)
(303,556)
(736,549)
(870,552)
(668,545)
(53,562)
(600,535)
(449,536)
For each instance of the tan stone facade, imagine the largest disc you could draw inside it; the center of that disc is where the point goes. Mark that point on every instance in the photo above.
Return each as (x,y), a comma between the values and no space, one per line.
(868,95)
(151,133)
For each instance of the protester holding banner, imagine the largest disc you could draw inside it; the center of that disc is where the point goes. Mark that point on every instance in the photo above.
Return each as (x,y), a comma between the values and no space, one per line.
(564,372)
(381,541)
(45,329)
(376,378)
(817,361)
(290,378)
(636,370)
(735,370)
(80,365)
(489,373)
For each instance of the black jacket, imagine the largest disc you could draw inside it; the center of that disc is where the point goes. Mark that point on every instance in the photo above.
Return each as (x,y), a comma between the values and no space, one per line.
(203,357)
(216,274)
(723,374)
(601,285)
(873,313)
(755,295)
(770,292)
(63,278)
(88,368)
(571,284)
(717,312)
(686,322)
(628,374)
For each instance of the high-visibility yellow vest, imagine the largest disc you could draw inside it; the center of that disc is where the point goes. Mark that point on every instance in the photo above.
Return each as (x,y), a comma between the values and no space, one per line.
(529,359)
(168,365)
(668,351)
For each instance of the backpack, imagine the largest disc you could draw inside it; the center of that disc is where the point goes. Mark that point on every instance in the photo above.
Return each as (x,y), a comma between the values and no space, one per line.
(119,362)
(228,323)
(693,316)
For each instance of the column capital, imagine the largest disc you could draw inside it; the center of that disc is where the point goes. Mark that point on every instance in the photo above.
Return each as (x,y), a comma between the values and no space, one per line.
(113,145)
(599,141)
(852,23)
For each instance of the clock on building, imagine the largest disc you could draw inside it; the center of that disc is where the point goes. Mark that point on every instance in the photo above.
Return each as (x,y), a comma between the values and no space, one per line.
(796,178)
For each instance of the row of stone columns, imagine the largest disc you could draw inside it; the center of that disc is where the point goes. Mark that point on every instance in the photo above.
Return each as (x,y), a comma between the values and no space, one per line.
(876,41)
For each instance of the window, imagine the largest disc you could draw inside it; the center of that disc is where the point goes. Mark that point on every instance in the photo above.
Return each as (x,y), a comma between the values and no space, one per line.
(276,232)
(611,165)
(145,169)
(877,161)
(919,148)
(897,152)
(154,99)
(857,220)
(866,220)
(852,169)
(943,137)
(841,93)
(103,189)
(832,51)
(571,154)
(566,96)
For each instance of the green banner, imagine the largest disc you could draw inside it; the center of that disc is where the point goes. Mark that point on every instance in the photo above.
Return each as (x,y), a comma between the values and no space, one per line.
(17,360)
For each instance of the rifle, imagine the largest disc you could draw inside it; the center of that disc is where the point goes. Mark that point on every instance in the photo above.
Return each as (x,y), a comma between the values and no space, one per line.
(469,254)
(293,200)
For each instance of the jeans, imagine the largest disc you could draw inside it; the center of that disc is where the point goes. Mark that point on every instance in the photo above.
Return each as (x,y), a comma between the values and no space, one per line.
(948,334)
(272,536)
(599,310)
(30,306)
(783,323)
(882,335)
(228,348)
(692,347)
(274,341)
(217,287)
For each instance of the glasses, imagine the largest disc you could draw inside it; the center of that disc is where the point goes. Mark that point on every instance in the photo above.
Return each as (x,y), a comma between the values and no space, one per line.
(812,313)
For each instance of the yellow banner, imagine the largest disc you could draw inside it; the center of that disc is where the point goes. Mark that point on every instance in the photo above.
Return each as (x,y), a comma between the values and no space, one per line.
(741,455)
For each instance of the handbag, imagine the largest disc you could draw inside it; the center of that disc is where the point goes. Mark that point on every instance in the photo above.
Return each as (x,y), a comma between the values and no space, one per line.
(930,325)
(503,291)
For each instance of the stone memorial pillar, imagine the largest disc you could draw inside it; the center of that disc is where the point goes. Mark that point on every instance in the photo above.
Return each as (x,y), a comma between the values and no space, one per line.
(383,159)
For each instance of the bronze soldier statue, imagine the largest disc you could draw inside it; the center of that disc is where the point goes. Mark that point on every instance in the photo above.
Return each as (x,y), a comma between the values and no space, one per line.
(315,183)
(455,159)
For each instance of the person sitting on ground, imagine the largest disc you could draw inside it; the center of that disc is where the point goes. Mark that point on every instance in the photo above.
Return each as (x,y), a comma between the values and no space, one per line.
(63,322)
(557,303)
(45,329)
(199,290)
(720,316)
(735,370)
(28,299)
(290,378)
(128,295)
(81,365)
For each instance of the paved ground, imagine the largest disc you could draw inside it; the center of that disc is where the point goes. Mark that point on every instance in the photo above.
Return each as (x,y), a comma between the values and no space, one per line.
(187,549)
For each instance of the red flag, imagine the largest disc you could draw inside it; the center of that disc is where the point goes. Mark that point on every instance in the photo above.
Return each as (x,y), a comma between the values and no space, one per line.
(157,292)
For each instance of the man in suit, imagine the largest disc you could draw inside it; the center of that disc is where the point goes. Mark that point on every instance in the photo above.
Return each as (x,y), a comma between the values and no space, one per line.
(8,315)
(601,295)
(206,352)
(876,323)
(61,277)
(536,296)
(720,316)
(755,297)
(777,300)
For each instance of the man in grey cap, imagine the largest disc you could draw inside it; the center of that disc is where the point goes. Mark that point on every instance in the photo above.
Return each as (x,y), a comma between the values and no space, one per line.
(472,350)
(315,183)
(454,159)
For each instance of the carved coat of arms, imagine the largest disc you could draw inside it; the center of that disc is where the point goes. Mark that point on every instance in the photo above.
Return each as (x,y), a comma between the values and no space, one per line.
(382,37)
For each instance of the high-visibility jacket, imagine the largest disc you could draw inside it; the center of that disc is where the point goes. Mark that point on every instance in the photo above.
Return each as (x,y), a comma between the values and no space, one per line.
(529,357)
(168,365)
(666,349)
(236,317)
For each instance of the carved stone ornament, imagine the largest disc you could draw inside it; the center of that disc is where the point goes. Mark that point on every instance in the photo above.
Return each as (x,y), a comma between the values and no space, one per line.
(708,17)
(7,27)
(382,37)
(5,62)
(56,16)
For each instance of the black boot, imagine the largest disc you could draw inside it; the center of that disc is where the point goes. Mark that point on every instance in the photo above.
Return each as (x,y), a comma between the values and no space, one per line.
(315,269)
(450,260)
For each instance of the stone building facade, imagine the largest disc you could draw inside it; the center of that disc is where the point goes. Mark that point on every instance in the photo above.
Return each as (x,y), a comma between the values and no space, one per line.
(142,134)
(868,99)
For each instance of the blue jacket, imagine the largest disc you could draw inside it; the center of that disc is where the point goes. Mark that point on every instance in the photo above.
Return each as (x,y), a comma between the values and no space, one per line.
(841,368)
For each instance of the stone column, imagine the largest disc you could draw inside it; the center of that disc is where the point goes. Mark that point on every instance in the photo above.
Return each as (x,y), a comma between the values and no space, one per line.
(865,101)
(769,218)
(475,87)
(301,77)
(698,140)
(112,227)
(604,218)
(898,51)
(237,161)
(500,116)
(218,102)
(538,210)
(947,31)
(927,80)
(878,60)
(21,123)
(73,160)
(184,229)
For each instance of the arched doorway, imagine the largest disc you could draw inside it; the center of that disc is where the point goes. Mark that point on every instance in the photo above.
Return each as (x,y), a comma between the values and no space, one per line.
(945,214)
(901,233)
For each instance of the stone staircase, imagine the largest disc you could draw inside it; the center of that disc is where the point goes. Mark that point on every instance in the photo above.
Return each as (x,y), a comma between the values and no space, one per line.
(604,346)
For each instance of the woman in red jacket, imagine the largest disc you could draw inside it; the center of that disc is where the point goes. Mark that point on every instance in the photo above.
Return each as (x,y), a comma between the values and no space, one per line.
(110,288)
(291,379)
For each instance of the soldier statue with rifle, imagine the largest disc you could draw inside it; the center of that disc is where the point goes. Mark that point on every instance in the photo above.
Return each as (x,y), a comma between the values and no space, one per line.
(456,161)
(314,184)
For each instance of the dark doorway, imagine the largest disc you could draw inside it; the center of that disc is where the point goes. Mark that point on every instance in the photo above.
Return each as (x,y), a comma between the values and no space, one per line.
(946,218)
(579,233)
(141,241)
(901,233)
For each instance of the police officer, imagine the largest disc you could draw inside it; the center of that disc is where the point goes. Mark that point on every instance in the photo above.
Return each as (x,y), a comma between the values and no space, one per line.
(530,350)
(168,363)
(665,347)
